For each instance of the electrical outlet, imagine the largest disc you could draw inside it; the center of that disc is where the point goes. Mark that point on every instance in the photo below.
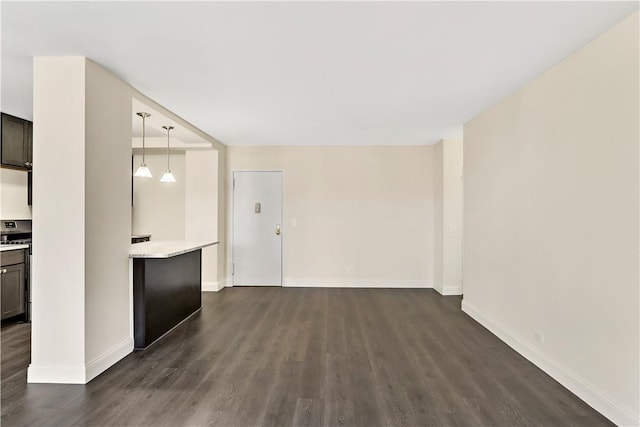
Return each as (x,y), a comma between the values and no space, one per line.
(539,337)
(294,223)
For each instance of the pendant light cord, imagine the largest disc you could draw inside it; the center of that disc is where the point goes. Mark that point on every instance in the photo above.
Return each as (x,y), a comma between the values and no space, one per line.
(168,130)
(168,176)
(143,135)
(144,116)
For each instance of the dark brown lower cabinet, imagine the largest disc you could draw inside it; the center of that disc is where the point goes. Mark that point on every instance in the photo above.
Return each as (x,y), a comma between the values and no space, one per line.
(13,285)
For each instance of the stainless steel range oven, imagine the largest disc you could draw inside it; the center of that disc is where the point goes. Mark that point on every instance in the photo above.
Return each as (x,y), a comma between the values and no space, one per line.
(18,232)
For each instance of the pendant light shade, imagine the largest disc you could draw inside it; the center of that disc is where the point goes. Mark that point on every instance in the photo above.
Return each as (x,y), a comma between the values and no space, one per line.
(143,171)
(168,176)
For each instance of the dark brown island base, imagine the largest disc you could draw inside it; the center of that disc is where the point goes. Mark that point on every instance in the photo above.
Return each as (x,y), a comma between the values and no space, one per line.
(167,287)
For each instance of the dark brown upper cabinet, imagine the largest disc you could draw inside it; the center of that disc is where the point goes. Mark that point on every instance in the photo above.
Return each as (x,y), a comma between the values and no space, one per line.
(17,142)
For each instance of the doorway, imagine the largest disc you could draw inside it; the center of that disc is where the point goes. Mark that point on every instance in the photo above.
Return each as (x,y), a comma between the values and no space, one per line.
(257,228)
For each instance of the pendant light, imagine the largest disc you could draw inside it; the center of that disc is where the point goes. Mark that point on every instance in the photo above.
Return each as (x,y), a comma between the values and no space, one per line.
(143,171)
(168,176)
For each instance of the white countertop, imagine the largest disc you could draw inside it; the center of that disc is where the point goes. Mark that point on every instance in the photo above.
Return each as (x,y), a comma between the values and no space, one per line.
(166,248)
(12,247)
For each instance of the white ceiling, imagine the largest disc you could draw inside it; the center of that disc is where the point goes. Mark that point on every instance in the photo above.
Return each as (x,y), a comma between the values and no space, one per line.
(309,72)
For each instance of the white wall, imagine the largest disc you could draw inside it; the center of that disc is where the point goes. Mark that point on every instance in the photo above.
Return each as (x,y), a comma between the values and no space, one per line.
(551,222)
(448,216)
(159,207)
(13,195)
(364,214)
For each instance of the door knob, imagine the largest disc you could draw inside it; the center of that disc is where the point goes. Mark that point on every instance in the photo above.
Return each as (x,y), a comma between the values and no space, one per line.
(277,230)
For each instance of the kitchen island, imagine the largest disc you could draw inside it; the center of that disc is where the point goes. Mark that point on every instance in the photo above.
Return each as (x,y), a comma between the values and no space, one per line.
(167,286)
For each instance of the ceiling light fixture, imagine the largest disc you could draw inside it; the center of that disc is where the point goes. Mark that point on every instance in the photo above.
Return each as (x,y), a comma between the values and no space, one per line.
(168,176)
(143,171)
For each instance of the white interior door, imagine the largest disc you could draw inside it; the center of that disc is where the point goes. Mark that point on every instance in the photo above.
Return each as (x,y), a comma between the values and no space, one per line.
(257,220)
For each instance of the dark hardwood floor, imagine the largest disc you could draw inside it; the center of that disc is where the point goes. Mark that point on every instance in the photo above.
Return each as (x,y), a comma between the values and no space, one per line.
(305,357)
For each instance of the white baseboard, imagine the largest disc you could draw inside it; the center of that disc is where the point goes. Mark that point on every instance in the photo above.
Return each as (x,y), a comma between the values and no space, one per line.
(56,374)
(260,285)
(448,290)
(576,384)
(109,358)
(213,286)
(389,284)
(80,374)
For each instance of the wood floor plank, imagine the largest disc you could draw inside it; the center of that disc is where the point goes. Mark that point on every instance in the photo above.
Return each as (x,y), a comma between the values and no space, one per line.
(308,413)
(304,357)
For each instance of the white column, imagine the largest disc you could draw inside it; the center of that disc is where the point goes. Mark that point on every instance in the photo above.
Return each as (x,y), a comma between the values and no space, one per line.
(81,220)
(201,210)
(57,286)
(448,193)
(221,248)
